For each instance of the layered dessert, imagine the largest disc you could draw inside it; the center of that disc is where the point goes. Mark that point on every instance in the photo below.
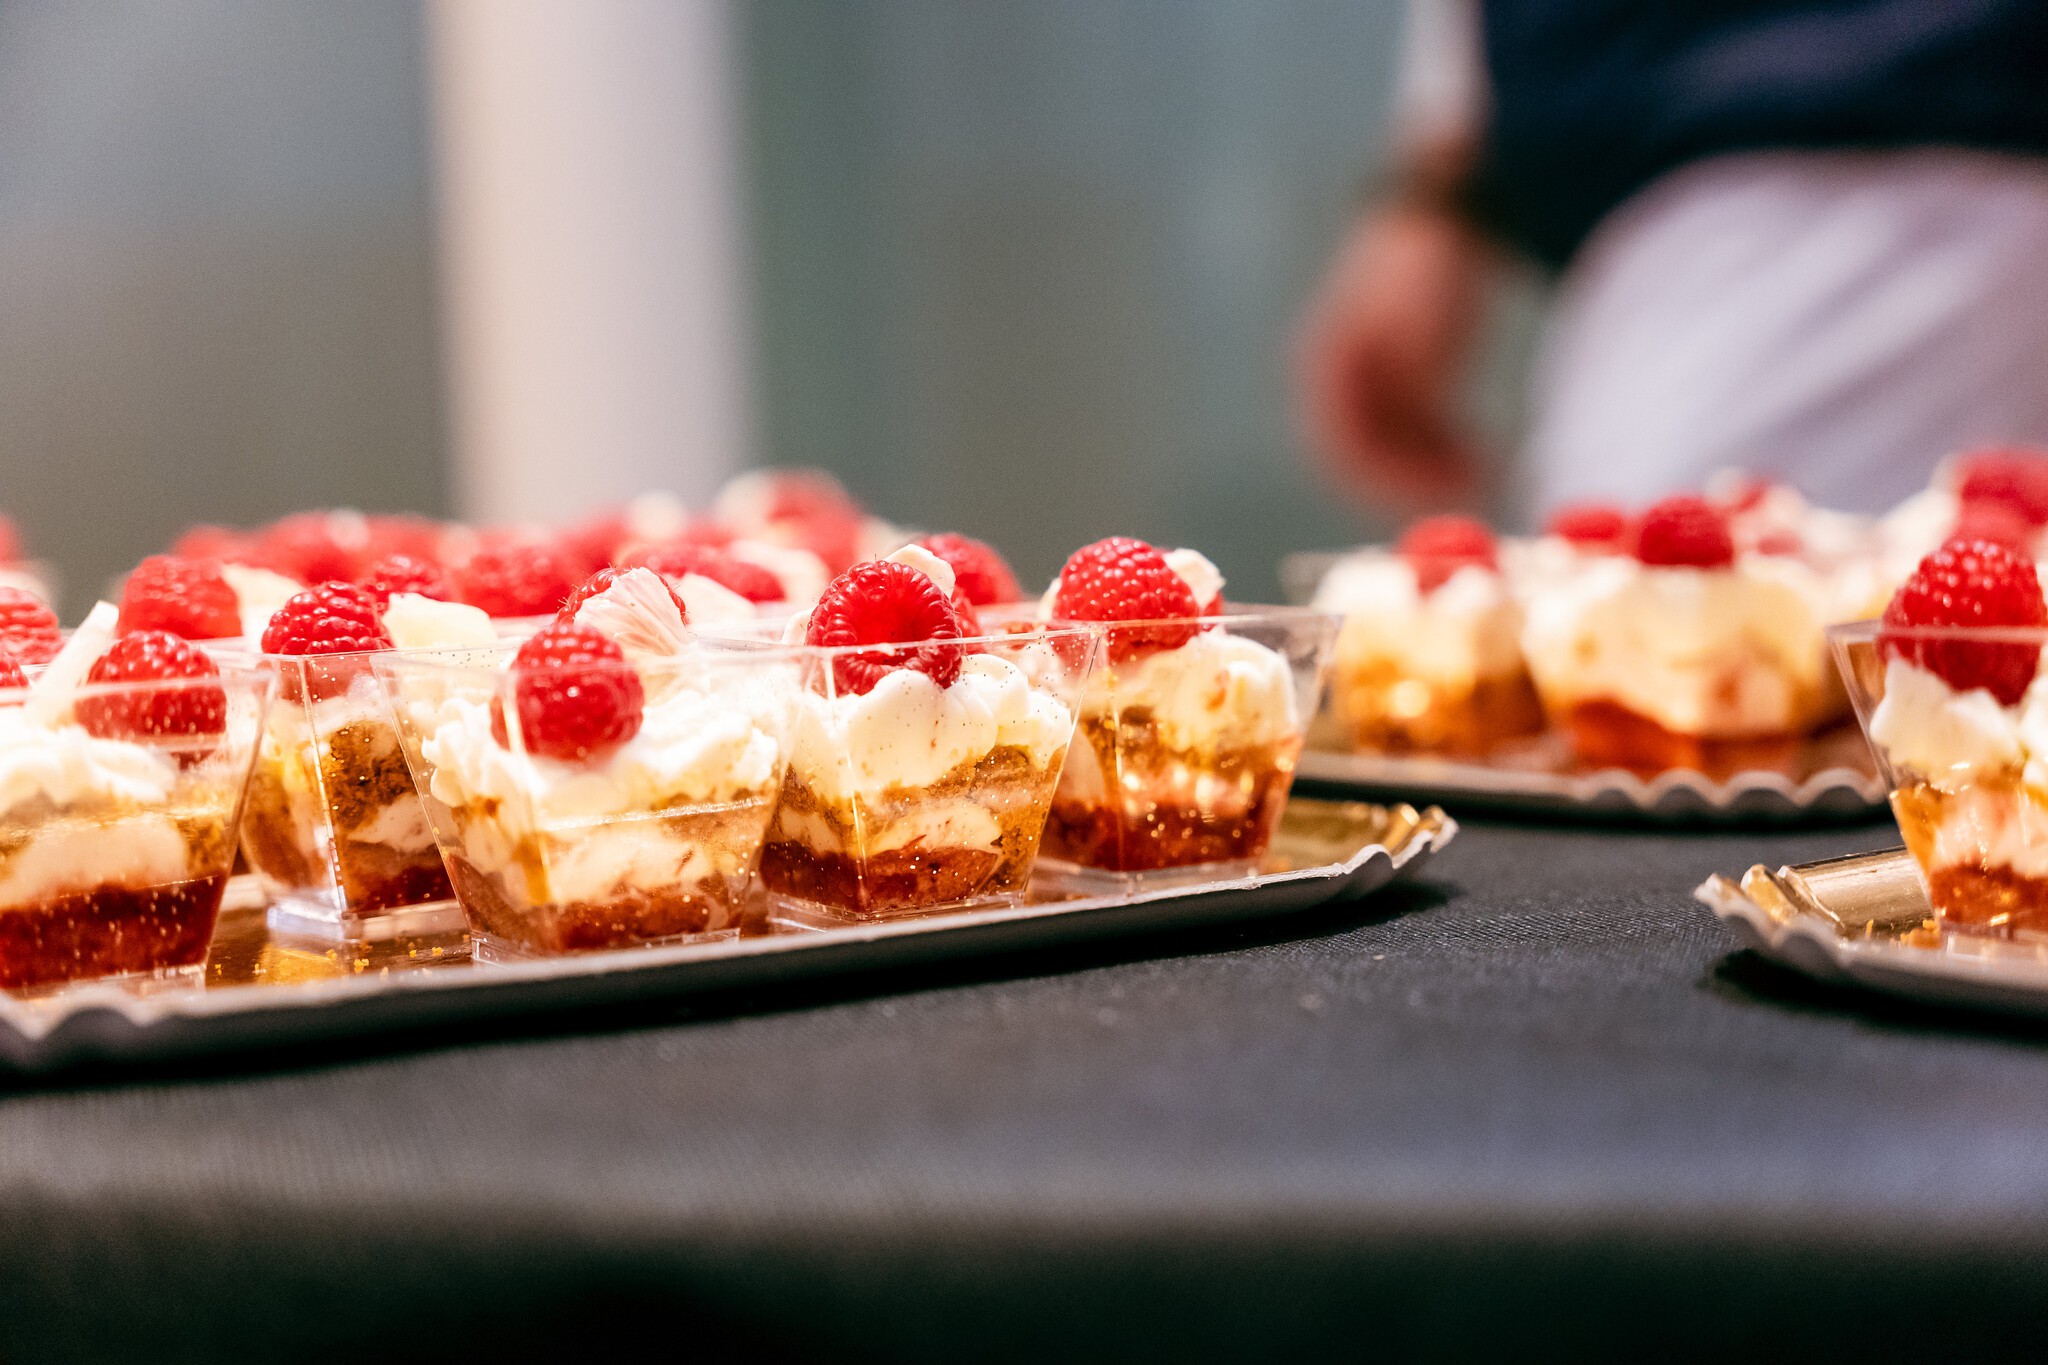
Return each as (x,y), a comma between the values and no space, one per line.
(1953,701)
(1429,658)
(1683,654)
(121,772)
(607,784)
(921,767)
(334,825)
(1192,725)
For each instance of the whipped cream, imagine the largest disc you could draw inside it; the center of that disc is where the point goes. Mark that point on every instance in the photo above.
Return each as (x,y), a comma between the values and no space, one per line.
(907,731)
(711,603)
(1700,651)
(1465,630)
(1199,572)
(417,622)
(638,613)
(1218,691)
(259,593)
(66,857)
(66,765)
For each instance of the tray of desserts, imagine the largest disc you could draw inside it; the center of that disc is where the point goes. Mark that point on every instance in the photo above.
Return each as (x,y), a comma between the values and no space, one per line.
(264,990)
(1671,664)
(1866,920)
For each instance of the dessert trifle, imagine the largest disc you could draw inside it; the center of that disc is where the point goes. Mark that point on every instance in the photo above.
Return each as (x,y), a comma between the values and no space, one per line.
(923,759)
(334,826)
(122,767)
(1949,686)
(1429,658)
(1190,729)
(607,783)
(1682,653)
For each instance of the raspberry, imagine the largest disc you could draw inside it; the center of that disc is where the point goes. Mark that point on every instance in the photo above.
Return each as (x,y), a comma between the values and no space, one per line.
(2013,478)
(11,675)
(1780,542)
(677,558)
(575,693)
(10,541)
(139,712)
(593,544)
(603,579)
(1994,521)
(1685,531)
(515,580)
(307,546)
(979,572)
(334,618)
(187,597)
(1123,579)
(388,535)
(216,542)
(1969,583)
(1590,525)
(1437,547)
(28,628)
(403,573)
(885,603)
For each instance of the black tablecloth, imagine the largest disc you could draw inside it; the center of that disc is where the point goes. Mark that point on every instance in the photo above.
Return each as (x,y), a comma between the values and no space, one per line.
(1534,1105)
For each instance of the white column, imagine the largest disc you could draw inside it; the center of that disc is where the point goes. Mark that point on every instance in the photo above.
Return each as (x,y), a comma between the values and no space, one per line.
(592,251)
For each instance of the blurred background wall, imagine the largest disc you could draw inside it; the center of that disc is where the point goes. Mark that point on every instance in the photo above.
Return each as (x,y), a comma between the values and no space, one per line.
(1022,267)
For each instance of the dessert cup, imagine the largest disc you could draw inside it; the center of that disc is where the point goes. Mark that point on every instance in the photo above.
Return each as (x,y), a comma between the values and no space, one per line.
(911,797)
(334,826)
(114,851)
(1186,755)
(652,841)
(1968,775)
(1436,670)
(1718,670)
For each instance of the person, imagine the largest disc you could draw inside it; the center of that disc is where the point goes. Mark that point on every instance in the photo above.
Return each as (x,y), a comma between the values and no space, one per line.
(1804,237)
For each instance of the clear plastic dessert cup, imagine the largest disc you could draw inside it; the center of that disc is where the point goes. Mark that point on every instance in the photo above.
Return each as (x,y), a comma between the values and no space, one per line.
(1966,761)
(1187,744)
(334,826)
(117,825)
(651,841)
(905,797)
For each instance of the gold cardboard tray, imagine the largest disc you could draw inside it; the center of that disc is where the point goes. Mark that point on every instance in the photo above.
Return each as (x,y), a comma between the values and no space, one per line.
(263,991)
(1864,920)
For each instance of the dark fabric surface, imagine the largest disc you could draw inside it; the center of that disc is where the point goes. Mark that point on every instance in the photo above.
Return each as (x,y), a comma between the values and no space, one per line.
(1535,1106)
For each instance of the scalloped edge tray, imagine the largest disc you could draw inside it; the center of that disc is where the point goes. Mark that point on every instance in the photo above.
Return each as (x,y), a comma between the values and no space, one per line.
(1323,850)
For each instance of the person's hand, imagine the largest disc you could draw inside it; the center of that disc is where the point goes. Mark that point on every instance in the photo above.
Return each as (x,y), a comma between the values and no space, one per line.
(1382,354)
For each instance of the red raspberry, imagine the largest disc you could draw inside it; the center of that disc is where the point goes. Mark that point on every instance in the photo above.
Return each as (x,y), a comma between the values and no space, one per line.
(1598,526)
(1685,531)
(1124,579)
(11,675)
(575,692)
(28,628)
(334,618)
(216,542)
(885,603)
(138,712)
(515,580)
(1994,521)
(387,535)
(1969,583)
(594,543)
(602,580)
(307,546)
(677,558)
(10,541)
(403,573)
(1437,547)
(2014,478)
(980,574)
(1780,542)
(187,597)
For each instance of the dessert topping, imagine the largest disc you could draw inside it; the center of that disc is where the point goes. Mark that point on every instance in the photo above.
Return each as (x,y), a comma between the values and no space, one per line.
(314,547)
(188,597)
(1124,579)
(28,628)
(678,558)
(1994,521)
(1597,526)
(404,573)
(515,580)
(575,693)
(1969,583)
(11,676)
(416,622)
(143,712)
(1201,575)
(979,573)
(1685,531)
(637,609)
(886,602)
(1437,547)
(334,618)
(2015,478)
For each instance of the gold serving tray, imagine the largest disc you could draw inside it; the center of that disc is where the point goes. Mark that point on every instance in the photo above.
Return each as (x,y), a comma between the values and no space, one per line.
(1865,920)
(262,990)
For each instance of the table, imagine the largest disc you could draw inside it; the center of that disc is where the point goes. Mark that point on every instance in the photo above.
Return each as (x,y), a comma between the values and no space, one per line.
(1535,1105)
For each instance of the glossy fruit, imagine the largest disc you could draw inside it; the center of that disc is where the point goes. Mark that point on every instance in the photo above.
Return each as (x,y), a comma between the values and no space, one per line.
(1124,579)
(576,695)
(1437,547)
(334,618)
(979,573)
(885,603)
(403,573)
(28,628)
(138,711)
(187,597)
(2015,478)
(1685,532)
(1591,526)
(1970,583)
(515,580)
